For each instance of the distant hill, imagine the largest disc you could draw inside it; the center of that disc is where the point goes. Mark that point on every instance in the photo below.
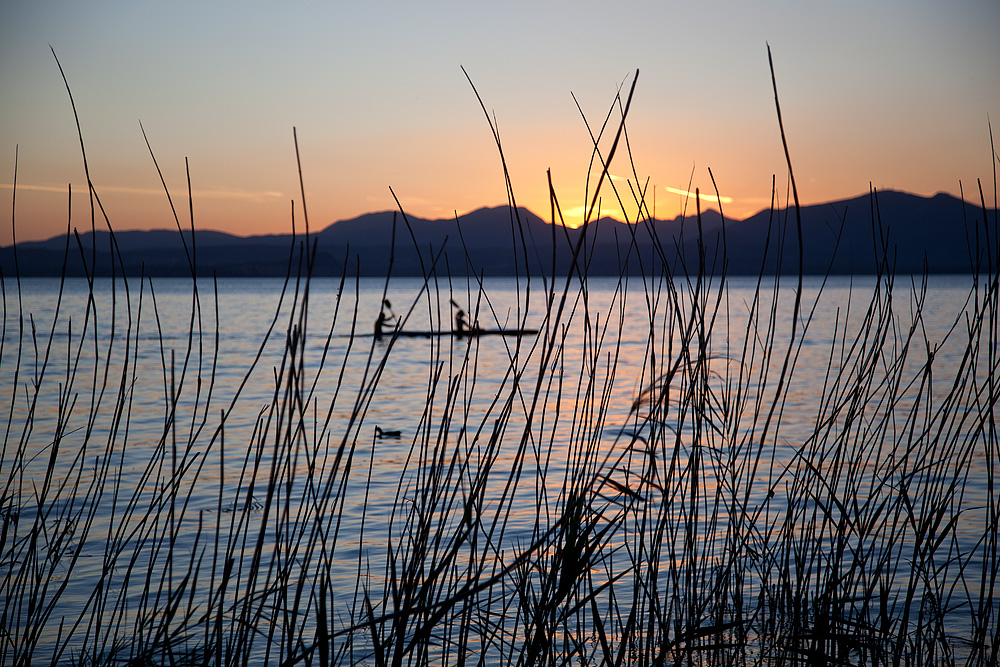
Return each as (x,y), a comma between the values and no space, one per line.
(911,230)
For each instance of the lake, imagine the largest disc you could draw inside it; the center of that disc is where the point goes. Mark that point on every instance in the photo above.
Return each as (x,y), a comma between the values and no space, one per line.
(240,471)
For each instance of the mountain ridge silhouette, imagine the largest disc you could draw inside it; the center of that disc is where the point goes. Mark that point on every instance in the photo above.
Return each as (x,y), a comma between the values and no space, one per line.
(911,231)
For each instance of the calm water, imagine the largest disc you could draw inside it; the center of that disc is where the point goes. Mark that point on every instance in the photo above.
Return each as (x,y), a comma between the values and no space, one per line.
(139,352)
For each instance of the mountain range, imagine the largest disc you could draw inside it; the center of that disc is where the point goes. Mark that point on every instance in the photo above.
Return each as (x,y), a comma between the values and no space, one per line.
(910,232)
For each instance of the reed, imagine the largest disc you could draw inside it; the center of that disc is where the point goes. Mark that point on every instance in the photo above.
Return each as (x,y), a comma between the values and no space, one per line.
(709,532)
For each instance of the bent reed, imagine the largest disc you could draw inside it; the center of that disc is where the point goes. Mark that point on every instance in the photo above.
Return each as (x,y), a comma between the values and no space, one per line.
(704,536)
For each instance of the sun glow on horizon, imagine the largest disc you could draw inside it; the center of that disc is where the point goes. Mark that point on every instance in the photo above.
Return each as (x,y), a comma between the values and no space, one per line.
(573,217)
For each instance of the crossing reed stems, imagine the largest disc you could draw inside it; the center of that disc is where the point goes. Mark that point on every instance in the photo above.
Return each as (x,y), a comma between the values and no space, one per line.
(531,519)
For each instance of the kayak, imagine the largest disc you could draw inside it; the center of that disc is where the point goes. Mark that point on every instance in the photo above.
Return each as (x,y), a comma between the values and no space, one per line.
(466,333)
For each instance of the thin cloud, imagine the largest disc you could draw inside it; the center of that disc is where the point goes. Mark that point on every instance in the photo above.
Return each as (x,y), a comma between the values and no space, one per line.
(251,196)
(684,193)
(701,195)
(34,188)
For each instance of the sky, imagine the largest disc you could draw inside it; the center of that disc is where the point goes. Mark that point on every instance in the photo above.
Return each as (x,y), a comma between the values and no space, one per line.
(896,95)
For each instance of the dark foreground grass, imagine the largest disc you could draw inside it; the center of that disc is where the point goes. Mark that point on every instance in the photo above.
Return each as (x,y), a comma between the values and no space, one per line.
(706,534)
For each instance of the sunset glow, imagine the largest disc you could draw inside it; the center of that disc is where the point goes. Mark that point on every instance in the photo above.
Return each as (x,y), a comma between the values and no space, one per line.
(382,103)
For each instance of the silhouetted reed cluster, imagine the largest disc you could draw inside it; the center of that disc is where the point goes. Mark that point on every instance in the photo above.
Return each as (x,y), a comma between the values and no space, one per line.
(707,533)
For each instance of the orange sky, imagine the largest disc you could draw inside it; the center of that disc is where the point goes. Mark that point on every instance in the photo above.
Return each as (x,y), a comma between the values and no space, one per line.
(897,95)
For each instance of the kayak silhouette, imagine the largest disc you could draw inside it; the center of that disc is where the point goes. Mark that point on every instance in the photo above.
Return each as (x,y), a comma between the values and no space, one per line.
(464,333)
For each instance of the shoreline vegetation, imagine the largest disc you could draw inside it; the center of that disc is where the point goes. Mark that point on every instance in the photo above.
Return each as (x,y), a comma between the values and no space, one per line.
(702,537)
